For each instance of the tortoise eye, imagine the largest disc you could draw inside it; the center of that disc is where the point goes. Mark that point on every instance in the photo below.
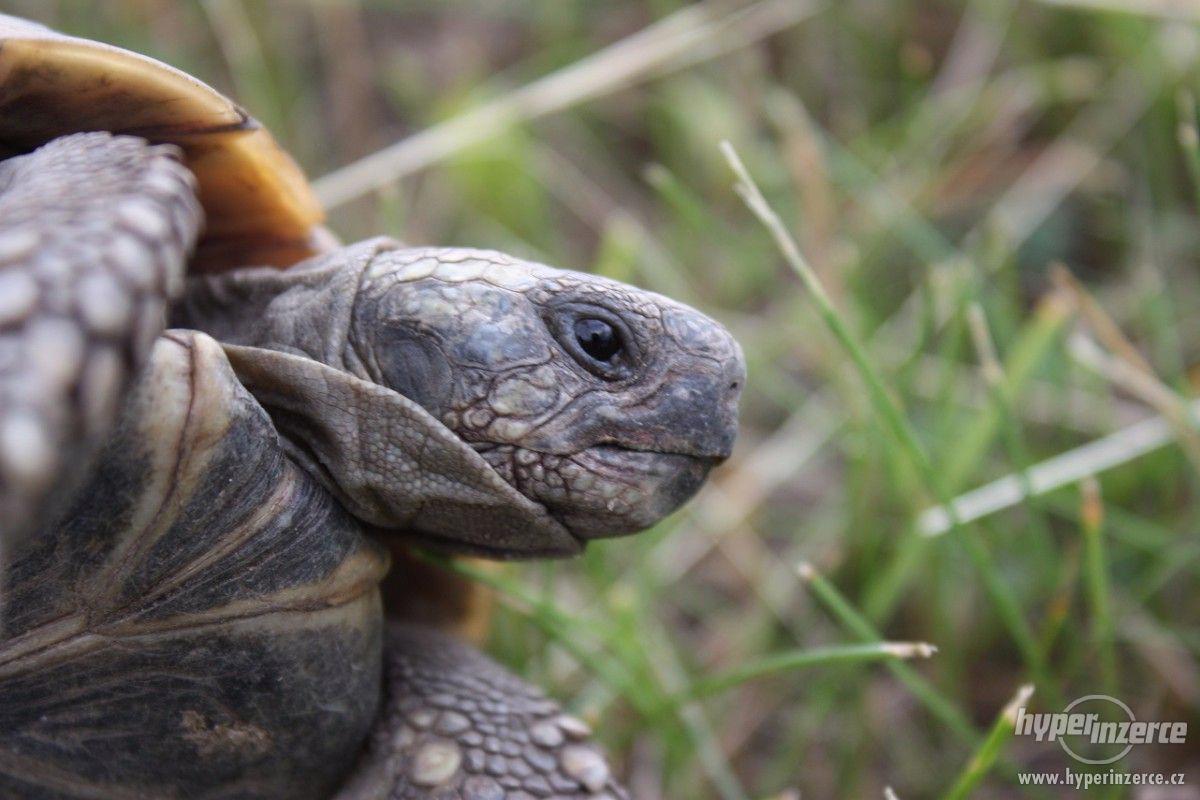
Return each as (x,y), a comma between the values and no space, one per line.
(597,338)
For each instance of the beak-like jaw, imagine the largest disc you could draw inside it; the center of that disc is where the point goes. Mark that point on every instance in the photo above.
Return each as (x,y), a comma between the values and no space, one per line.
(652,485)
(666,448)
(638,463)
(692,413)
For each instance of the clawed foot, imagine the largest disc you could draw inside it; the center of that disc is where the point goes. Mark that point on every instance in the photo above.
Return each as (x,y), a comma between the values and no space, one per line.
(457,725)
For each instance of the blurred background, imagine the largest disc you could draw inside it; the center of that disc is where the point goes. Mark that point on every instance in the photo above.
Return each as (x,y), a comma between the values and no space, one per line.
(999,198)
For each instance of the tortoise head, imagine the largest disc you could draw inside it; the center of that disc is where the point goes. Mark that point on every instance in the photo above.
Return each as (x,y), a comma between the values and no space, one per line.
(592,407)
(606,404)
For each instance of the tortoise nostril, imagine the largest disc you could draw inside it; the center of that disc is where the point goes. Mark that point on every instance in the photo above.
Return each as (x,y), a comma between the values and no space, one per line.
(733,386)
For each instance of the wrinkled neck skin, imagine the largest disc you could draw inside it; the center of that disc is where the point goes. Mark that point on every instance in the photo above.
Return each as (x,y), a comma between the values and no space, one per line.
(306,310)
(490,404)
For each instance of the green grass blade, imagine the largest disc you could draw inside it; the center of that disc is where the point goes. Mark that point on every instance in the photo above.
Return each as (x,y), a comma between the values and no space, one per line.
(938,705)
(811,657)
(1091,519)
(987,754)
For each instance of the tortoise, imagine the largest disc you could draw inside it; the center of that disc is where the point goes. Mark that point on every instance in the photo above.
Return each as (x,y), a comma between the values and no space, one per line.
(212,446)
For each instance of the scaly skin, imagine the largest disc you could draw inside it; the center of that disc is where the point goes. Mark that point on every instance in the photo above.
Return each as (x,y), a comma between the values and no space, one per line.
(203,618)
(85,277)
(456,723)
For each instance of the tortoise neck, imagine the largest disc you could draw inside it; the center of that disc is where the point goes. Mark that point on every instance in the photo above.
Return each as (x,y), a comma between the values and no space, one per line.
(304,310)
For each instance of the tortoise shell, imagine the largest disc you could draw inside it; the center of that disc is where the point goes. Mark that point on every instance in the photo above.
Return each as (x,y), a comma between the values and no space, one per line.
(258,205)
(200,612)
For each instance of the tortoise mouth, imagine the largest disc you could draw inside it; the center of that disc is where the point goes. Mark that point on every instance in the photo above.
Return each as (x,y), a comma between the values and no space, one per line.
(604,490)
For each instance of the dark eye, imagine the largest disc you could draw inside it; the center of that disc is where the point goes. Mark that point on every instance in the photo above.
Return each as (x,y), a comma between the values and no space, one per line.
(597,338)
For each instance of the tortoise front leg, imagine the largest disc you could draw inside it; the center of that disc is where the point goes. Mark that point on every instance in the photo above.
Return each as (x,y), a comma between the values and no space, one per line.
(94,233)
(456,725)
